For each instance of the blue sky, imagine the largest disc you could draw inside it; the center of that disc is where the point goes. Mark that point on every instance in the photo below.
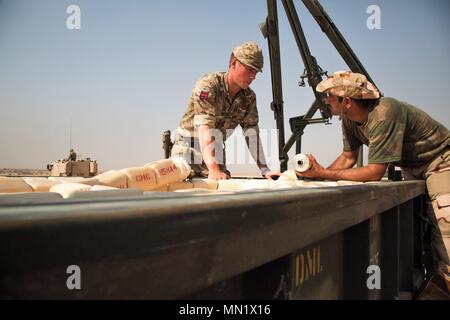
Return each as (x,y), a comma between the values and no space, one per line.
(127,74)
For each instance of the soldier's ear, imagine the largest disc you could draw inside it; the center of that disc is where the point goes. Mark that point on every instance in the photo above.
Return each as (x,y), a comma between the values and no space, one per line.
(348,102)
(233,62)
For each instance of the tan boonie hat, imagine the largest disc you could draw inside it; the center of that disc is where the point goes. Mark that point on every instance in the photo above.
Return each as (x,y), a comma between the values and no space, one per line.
(250,54)
(348,84)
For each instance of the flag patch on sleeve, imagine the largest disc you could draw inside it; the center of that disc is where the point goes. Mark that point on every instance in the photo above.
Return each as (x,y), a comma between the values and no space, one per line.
(204,95)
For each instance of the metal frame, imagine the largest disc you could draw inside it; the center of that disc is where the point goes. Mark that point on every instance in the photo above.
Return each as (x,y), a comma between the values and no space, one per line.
(173,245)
(313,72)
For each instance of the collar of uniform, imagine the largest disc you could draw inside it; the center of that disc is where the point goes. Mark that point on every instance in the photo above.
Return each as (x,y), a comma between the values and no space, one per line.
(225,80)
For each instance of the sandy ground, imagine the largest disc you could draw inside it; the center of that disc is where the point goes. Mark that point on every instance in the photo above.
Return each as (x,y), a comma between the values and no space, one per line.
(24,172)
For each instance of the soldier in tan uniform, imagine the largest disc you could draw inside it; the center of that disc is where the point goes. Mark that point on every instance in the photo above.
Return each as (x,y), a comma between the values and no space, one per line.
(219,103)
(397,133)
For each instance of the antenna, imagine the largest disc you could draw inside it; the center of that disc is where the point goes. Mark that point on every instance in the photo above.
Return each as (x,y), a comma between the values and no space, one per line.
(70,135)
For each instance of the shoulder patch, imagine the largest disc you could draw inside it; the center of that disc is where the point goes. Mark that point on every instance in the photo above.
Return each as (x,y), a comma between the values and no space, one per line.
(204,95)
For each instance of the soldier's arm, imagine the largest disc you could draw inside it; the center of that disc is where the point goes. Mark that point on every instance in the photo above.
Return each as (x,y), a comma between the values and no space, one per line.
(207,144)
(371,172)
(253,141)
(254,145)
(345,161)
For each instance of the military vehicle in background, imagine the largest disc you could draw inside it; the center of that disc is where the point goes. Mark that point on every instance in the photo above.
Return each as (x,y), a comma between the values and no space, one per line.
(73,168)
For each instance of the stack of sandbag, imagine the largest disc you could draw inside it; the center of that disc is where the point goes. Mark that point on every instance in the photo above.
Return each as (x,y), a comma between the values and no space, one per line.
(68,189)
(40,184)
(157,175)
(13,185)
(113,178)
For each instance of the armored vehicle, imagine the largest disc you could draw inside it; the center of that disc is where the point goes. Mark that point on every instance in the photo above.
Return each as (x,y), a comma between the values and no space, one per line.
(79,168)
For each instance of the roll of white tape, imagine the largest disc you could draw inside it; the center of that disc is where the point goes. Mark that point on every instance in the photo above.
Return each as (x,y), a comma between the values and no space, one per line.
(301,162)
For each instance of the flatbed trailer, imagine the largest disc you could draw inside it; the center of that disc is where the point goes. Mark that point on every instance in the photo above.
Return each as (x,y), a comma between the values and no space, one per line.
(298,243)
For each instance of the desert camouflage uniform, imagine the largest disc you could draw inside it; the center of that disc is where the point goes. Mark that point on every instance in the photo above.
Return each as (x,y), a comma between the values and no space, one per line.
(398,133)
(348,84)
(405,136)
(211,104)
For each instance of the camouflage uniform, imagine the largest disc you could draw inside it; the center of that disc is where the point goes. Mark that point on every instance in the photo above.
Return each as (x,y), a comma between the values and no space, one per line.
(398,133)
(211,104)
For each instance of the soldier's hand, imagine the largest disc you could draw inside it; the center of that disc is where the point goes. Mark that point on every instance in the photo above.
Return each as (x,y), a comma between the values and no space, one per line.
(315,170)
(218,175)
(272,175)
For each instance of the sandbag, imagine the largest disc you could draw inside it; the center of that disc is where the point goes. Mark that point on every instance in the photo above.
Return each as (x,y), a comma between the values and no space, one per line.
(101,188)
(196,191)
(257,184)
(185,168)
(12,185)
(166,171)
(66,189)
(288,175)
(210,184)
(180,186)
(40,184)
(163,188)
(282,184)
(90,181)
(143,178)
(113,178)
(230,185)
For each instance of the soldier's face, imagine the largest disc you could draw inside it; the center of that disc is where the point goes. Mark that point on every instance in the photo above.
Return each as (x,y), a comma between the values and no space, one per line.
(244,75)
(335,105)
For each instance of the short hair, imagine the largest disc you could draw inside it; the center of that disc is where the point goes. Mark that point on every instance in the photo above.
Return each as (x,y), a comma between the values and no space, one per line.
(231,59)
(367,103)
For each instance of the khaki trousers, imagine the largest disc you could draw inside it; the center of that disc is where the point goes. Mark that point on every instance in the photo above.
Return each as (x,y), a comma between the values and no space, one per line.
(436,173)
(189,149)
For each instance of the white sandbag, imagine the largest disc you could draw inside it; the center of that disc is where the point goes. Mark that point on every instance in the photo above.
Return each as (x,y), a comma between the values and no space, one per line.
(65,179)
(90,181)
(230,185)
(40,184)
(316,184)
(282,184)
(143,178)
(180,186)
(67,188)
(257,184)
(101,188)
(167,171)
(12,185)
(288,175)
(210,184)
(196,190)
(307,184)
(113,178)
